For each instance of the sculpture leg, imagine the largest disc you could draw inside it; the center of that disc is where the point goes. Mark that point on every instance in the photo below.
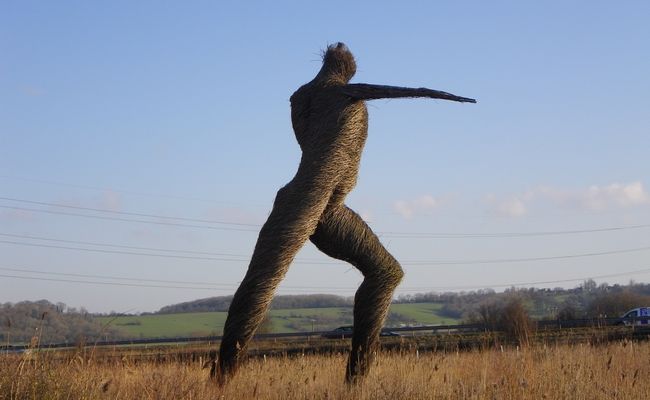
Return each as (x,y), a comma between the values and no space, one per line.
(295,213)
(342,234)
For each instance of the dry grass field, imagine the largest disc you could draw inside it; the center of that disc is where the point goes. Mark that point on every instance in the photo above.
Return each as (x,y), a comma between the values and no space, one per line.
(619,370)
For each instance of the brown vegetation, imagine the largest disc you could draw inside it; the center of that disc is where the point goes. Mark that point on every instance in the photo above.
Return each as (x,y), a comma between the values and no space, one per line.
(613,371)
(510,317)
(617,303)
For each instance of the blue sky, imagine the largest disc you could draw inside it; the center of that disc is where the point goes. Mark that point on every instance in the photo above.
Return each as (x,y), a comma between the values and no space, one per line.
(182,110)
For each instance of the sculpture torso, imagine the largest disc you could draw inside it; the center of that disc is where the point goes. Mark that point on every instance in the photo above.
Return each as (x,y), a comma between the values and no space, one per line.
(331,129)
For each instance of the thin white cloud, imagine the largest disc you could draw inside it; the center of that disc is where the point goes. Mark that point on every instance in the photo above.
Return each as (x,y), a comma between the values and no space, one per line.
(111,200)
(592,198)
(513,207)
(616,194)
(409,208)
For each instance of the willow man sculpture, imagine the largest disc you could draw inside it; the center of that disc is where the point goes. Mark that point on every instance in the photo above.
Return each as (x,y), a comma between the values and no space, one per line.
(330,121)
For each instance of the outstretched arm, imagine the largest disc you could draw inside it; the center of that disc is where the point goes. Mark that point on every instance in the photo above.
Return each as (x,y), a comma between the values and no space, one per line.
(365,91)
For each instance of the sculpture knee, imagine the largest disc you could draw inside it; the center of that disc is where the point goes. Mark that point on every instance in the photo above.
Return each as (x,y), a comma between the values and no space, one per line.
(396,274)
(388,273)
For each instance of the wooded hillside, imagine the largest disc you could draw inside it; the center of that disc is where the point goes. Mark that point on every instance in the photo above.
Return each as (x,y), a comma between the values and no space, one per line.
(587,300)
(221,303)
(33,321)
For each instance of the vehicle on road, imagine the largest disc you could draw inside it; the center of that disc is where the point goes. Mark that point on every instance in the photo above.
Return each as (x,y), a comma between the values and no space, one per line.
(637,316)
(390,333)
(344,332)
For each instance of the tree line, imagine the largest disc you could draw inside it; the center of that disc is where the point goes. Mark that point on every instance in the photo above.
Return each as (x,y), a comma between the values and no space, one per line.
(584,301)
(282,302)
(45,322)
(588,300)
(34,321)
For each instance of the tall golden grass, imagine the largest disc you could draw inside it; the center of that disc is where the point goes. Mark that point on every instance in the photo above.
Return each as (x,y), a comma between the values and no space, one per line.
(619,370)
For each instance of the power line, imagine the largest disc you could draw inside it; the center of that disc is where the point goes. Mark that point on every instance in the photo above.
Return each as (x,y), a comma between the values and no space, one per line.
(299,288)
(528,259)
(119,246)
(219,228)
(204,200)
(301,261)
(128,192)
(106,283)
(31,237)
(131,253)
(433,235)
(119,278)
(230,286)
(388,234)
(614,275)
(212,288)
(40,203)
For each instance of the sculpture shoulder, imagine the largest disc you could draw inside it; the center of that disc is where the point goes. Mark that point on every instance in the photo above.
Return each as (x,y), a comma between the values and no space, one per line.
(300,102)
(326,104)
(300,95)
(320,98)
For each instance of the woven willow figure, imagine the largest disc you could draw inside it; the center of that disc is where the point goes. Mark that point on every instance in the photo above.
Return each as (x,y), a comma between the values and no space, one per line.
(330,121)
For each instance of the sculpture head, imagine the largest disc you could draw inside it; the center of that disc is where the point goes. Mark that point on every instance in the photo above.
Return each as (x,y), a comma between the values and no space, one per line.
(338,65)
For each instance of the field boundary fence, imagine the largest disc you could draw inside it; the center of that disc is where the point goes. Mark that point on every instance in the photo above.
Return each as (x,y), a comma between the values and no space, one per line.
(414,330)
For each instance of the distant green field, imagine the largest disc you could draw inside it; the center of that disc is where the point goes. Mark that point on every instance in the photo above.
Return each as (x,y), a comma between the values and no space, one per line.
(423,313)
(289,320)
(169,325)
